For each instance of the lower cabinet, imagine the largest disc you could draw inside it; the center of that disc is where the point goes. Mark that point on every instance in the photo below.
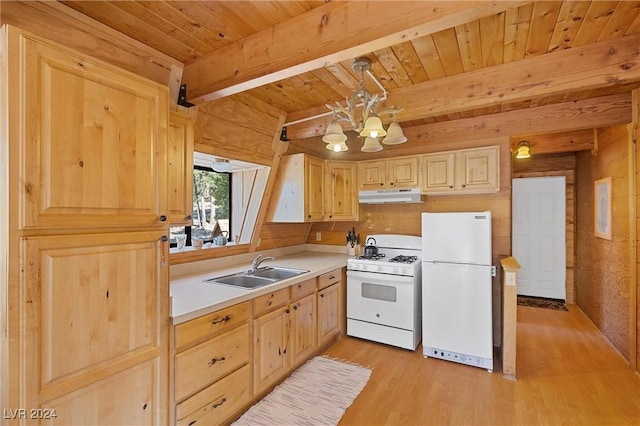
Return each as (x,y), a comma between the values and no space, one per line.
(212,373)
(225,360)
(270,342)
(329,306)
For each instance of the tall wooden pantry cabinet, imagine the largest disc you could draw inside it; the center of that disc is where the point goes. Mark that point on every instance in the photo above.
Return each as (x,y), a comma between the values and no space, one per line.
(84,234)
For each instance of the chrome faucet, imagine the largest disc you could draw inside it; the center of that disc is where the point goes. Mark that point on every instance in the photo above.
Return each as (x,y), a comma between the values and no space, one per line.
(258,260)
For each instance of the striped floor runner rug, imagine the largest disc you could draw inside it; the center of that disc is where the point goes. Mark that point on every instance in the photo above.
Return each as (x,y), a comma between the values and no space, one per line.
(317,393)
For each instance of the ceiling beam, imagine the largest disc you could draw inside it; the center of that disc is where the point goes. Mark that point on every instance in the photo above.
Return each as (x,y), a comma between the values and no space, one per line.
(333,32)
(603,64)
(562,117)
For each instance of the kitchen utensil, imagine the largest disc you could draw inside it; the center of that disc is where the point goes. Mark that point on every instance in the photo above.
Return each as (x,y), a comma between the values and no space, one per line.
(181,240)
(221,239)
(370,249)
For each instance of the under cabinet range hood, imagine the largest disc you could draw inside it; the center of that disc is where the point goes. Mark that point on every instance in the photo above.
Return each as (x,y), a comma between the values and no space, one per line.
(385,196)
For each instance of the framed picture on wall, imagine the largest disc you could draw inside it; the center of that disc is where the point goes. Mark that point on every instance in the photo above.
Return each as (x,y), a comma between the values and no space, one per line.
(602,205)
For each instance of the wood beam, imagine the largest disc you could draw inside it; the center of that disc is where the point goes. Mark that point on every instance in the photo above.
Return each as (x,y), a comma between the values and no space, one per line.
(567,116)
(604,64)
(563,117)
(579,140)
(333,32)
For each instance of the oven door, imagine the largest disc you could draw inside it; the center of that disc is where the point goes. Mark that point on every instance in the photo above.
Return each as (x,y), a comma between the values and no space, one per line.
(381,299)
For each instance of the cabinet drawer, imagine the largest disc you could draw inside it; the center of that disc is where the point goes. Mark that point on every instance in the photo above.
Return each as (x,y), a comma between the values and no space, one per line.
(217,402)
(270,301)
(207,326)
(325,280)
(202,365)
(303,289)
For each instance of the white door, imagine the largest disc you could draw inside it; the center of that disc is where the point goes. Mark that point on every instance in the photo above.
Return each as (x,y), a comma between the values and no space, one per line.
(539,242)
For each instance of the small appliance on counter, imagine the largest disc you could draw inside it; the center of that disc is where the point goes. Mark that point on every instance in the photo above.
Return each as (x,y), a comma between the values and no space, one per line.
(383,291)
(456,288)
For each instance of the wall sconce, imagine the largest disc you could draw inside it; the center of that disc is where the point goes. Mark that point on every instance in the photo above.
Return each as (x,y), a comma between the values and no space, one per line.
(523,150)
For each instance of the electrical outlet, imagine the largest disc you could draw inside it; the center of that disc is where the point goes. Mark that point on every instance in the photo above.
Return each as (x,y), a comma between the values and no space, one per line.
(318,236)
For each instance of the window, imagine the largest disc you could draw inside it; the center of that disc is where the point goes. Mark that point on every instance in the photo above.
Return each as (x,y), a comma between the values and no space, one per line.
(211,203)
(229,200)
(211,206)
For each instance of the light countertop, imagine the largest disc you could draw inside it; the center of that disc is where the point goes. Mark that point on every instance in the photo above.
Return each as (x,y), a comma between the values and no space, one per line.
(191,297)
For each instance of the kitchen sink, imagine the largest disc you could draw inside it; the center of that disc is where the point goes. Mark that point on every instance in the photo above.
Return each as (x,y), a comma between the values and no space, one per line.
(258,278)
(276,273)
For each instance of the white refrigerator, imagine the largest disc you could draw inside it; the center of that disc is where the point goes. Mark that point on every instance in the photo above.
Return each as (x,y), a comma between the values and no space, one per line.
(456,287)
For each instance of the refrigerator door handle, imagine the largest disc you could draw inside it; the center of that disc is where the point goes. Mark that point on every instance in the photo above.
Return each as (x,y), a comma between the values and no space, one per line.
(494,271)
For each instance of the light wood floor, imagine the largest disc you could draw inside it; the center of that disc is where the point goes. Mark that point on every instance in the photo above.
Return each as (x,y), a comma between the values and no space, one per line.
(568,373)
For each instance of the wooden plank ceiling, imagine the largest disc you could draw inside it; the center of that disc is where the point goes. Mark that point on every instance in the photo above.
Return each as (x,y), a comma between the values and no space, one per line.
(298,55)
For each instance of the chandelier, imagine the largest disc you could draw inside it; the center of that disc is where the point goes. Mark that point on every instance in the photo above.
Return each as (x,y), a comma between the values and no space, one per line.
(361,113)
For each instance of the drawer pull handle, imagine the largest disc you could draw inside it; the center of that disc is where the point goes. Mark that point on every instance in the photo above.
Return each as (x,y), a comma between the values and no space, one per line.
(221,320)
(332,277)
(214,360)
(321,294)
(219,404)
(192,423)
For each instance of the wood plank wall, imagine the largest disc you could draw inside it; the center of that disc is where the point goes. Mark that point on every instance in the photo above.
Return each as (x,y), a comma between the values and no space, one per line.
(635,254)
(557,165)
(602,266)
(406,218)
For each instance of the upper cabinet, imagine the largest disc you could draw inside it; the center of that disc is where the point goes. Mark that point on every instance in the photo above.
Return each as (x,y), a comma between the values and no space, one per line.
(340,184)
(98,152)
(179,169)
(475,170)
(309,189)
(399,172)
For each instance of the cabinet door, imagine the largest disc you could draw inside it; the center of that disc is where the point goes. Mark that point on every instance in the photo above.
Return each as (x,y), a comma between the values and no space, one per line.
(402,172)
(478,169)
(94,140)
(92,306)
(371,175)
(180,169)
(328,313)
(438,173)
(313,193)
(270,339)
(342,196)
(303,329)
(125,399)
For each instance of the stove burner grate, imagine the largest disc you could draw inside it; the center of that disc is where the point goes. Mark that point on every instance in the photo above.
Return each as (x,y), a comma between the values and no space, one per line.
(403,259)
(371,257)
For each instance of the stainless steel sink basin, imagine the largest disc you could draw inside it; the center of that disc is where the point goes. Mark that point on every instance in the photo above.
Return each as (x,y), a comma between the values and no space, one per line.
(257,278)
(242,280)
(276,273)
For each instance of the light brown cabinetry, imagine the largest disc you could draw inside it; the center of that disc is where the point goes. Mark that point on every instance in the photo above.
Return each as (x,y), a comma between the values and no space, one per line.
(180,169)
(340,190)
(329,306)
(475,170)
(212,369)
(88,309)
(399,172)
(309,189)
(298,191)
(303,324)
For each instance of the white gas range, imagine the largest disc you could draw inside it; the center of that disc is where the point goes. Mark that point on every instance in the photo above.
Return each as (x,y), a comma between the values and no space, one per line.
(384,292)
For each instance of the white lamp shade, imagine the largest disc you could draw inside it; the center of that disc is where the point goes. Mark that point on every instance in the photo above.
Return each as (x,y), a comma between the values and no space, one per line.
(371,145)
(523,151)
(337,147)
(221,165)
(394,135)
(373,128)
(334,134)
